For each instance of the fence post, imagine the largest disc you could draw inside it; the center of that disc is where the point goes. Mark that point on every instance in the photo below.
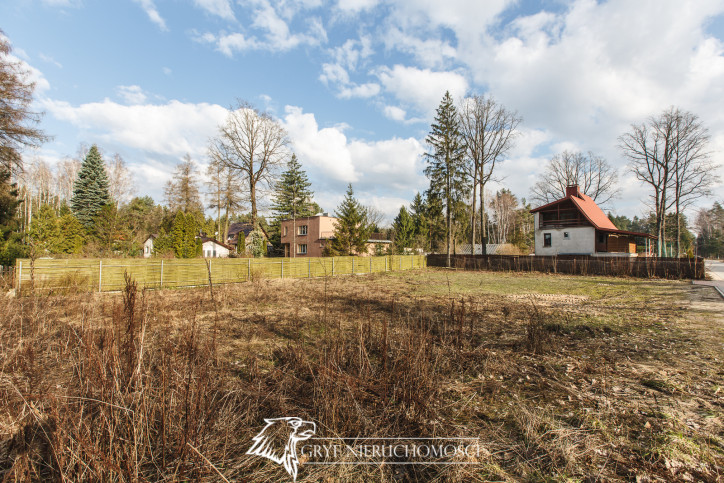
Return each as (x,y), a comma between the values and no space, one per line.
(385,264)
(100,274)
(352,265)
(333,266)
(20,275)
(309,268)
(400,259)
(248,269)
(161,286)
(370,264)
(282,269)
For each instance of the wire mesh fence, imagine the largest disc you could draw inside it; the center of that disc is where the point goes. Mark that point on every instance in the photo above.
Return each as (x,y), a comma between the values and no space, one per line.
(104,275)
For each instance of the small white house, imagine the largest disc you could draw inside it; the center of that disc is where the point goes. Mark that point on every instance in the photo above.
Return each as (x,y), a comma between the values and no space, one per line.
(212,248)
(575,225)
(148,245)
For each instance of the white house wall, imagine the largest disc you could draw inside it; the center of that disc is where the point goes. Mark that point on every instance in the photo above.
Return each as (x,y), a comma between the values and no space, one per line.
(581,240)
(208,250)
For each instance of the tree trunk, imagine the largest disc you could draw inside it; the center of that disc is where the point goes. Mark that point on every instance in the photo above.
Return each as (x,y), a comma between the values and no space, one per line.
(252,195)
(678,228)
(483,231)
(472,223)
(449,220)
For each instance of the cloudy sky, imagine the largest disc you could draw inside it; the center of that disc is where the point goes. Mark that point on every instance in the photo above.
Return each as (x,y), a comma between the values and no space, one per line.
(356,82)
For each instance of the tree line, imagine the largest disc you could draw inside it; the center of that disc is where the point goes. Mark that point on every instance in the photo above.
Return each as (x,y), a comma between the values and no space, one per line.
(86,204)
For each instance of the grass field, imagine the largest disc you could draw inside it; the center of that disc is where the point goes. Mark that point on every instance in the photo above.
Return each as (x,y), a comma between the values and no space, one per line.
(563,378)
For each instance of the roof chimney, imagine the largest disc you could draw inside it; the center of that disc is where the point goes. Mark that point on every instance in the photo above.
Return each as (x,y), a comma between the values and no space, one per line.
(573,191)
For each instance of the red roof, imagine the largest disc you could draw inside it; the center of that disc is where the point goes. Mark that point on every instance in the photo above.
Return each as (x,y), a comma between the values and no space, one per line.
(591,212)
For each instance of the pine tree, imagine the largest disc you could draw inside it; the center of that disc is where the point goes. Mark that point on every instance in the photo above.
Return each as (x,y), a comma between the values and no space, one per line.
(418,213)
(352,231)
(177,235)
(293,198)
(163,244)
(404,230)
(90,192)
(446,162)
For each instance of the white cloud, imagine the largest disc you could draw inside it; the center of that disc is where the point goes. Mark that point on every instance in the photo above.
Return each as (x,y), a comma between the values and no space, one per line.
(50,60)
(220,8)
(334,75)
(395,113)
(167,71)
(149,7)
(170,129)
(352,52)
(228,44)
(356,5)
(131,94)
(421,88)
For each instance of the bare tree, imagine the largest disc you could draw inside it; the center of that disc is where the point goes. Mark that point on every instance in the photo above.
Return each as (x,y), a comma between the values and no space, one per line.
(17,121)
(694,173)
(593,175)
(489,131)
(182,192)
(120,179)
(224,193)
(502,207)
(668,154)
(253,144)
(66,172)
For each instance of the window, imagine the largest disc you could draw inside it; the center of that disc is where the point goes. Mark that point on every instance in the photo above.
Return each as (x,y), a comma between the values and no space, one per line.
(547,240)
(566,235)
(302,249)
(601,238)
(302,230)
(148,249)
(285,231)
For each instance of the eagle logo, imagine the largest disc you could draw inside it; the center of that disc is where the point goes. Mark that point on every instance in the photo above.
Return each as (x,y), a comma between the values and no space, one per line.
(278,441)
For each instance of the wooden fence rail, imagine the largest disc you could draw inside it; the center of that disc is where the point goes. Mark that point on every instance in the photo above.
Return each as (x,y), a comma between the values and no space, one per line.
(644,267)
(107,274)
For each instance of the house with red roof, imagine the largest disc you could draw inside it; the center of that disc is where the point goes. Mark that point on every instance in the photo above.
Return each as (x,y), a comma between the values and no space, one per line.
(575,225)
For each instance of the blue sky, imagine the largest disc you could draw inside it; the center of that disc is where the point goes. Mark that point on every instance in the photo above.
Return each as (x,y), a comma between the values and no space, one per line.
(355,82)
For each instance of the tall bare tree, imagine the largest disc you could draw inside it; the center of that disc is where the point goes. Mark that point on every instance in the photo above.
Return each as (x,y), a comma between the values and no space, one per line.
(66,172)
(503,207)
(593,175)
(489,131)
(224,191)
(694,172)
(17,121)
(182,192)
(668,153)
(120,179)
(254,145)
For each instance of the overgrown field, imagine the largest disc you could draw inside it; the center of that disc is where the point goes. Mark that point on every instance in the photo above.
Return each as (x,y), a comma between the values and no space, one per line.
(563,378)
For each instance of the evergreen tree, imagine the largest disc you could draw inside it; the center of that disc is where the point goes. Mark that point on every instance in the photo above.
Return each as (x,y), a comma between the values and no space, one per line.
(177,235)
(352,231)
(44,234)
(446,162)
(163,244)
(404,230)
(293,197)
(90,192)
(189,237)
(241,243)
(72,234)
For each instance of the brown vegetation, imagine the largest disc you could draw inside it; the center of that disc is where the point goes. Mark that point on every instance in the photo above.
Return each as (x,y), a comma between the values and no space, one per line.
(603,383)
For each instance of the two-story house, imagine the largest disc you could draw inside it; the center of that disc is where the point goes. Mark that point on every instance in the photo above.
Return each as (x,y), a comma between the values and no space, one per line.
(575,225)
(307,236)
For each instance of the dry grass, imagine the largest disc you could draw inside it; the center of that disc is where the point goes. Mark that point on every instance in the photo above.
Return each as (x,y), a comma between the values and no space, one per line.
(563,378)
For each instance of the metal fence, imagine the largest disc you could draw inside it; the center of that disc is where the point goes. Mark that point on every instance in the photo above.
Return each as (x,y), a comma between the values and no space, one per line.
(103,275)
(642,267)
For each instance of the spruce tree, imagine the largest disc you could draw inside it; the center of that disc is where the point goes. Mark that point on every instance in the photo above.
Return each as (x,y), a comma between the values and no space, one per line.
(418,213)
(352,231)
(72,234)
(293,198)
(177,235)
(446,161)
(90,192)
(404,230)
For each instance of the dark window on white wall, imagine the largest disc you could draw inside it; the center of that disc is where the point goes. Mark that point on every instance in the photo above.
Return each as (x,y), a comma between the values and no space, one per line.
(547,240)
(566,235)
